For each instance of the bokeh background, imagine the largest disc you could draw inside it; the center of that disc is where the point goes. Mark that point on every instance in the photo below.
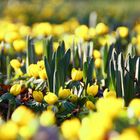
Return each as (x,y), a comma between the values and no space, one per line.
(111,12)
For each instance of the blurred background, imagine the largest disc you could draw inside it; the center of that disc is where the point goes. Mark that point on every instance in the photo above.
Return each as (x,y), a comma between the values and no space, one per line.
(111,12)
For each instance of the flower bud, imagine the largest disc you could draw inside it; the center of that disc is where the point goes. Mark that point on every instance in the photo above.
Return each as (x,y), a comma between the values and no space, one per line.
(64,93)
(15,89)
(51,98)
(38,96)
(92,90)
(76,74)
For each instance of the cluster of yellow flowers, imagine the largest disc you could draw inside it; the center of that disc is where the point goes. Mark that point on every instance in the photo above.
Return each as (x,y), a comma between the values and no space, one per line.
(97,125)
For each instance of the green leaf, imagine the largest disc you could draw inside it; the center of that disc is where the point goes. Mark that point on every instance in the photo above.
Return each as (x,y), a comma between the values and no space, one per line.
(31,57)
(48,48)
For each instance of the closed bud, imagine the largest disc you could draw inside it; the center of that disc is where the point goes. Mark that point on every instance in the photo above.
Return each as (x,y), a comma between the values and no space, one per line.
(64,93)
(38,96)
(50,98)
(76,74)
(92,90)
(15,89)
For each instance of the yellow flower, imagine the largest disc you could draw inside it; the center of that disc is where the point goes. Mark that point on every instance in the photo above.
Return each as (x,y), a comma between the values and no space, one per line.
(96,54)
(98,62)
(90,105)
(109,93)
(50,98)
(33,70)
(123,31)
(22,115)
(39,48)
(58,30)
(24,30)
(64,93)
(95,126)
(92,32)
(134,106)
(73,97)
(15,63)
(47,118)
(92,90)
(19,72)
(42,29)
(19,45)
(15,89)
(70,129)
(110,106)
(55,46)
(76,74)
(41,64)
(101,29)
(11,36)
(38,96)
(82,31)
(129,134)
(42,74)
(8,131)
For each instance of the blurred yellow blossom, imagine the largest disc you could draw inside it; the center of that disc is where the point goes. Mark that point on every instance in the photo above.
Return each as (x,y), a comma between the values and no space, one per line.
(109,93)
(8,131)
(101,28)
(70,129)
(47,118)
(19,115)
(123,31)
(19,45)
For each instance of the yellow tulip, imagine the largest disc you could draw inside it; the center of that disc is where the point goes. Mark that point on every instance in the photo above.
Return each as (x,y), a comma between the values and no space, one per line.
(47,118)
(11,36)
(70,129)
(98,63)
(41,64)
(96,54)
(50,98)
(109,93)
(15,89)
(92,90)
(38,96)
(134,106)
(101,29)
(64,93)
(123,31)
(76,74)
(110,106)
(22,115)
(90,105)
(15,63)
(92,32)
(8,131)
(33,70)
(19,45)
(82,31)
(39,48)
(42,74)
